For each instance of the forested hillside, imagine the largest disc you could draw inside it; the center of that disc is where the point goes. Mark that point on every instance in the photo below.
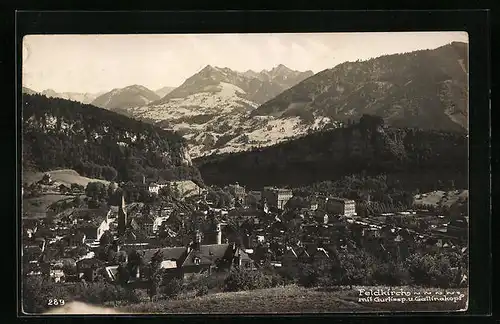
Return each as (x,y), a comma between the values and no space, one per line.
(95,142)
(419,157)
(426,89)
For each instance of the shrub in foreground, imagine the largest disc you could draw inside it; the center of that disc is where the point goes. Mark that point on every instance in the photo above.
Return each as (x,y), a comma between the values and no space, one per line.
(239,280)
(172,287)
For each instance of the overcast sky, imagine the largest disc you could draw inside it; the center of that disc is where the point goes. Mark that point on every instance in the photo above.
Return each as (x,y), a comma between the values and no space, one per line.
(94,63)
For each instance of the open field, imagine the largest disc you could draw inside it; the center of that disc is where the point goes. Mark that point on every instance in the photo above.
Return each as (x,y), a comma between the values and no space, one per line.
(291,299)
(66,177)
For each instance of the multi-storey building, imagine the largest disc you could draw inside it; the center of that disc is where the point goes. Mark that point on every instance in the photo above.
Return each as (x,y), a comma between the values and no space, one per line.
(238,192)
(340,206)
(276,197)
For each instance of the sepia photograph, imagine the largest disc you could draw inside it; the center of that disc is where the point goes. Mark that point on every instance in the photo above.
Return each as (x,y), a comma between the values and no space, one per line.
(258,173)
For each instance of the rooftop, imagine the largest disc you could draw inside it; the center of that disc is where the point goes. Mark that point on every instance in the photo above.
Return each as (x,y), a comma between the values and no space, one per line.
(169,253)
(207,254)
(345,200)
(97,215)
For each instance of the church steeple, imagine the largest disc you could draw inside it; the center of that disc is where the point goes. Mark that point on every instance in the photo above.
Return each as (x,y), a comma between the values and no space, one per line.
(265,206)
(122,216)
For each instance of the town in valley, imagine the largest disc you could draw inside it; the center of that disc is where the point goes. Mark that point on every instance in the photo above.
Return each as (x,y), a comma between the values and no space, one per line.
(298,186)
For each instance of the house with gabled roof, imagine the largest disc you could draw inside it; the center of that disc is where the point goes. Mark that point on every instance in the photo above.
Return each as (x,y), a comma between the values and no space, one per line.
(197,258)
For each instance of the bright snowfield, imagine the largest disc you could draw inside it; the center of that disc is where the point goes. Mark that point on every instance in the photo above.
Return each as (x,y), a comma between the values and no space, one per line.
(223,98)
(230,121)
(259,131)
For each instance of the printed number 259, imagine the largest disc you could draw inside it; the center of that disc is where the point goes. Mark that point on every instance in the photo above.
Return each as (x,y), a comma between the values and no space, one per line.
(55,302)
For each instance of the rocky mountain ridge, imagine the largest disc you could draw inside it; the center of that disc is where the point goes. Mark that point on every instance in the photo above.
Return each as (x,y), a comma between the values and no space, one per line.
(426,89)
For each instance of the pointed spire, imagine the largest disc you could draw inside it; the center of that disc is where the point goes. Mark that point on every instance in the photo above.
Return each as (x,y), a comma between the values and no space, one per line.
(122,216)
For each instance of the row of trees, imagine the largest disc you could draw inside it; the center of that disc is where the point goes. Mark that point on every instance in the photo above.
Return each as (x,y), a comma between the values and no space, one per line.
(443,270)
(92,170)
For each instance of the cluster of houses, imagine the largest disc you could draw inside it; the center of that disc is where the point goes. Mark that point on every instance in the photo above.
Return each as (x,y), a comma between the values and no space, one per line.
(209,239)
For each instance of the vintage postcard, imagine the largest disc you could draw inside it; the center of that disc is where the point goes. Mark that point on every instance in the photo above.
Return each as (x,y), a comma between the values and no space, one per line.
(245,173)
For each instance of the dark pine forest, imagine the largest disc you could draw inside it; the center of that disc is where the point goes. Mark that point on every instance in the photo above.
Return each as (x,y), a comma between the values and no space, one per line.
(419,159)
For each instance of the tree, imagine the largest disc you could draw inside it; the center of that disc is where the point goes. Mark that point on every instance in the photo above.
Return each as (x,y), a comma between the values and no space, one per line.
(106,239)
(252,200)
(354,268)
(123,275)
(165,193)
(76,188)
(96,190)
(296,202)
(225,199)
(135,261)
(155,276)
(176,193)
(77,201)
(109,173)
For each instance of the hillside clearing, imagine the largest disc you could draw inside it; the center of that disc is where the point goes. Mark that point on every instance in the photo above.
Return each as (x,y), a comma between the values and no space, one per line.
(441,198)
(65,176)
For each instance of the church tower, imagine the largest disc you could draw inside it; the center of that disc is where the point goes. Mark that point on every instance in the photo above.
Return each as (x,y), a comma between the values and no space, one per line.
(122,217)
(265,206)
(216,233)
(213,232)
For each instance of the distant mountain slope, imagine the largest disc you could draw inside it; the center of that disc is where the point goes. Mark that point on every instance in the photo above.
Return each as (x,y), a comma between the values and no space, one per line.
(212,106)
(281,75)
(257,87)
(59,133)
(85,98)
(29,91)
(368,146)
(121,99)
(162,92)
(426,89)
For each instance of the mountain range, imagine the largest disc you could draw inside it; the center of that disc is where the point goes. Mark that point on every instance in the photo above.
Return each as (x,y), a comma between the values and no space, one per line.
(83,97)
(29,91)
(162,92)
(218,110)
(212,107)
(425,89)
(121,99)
